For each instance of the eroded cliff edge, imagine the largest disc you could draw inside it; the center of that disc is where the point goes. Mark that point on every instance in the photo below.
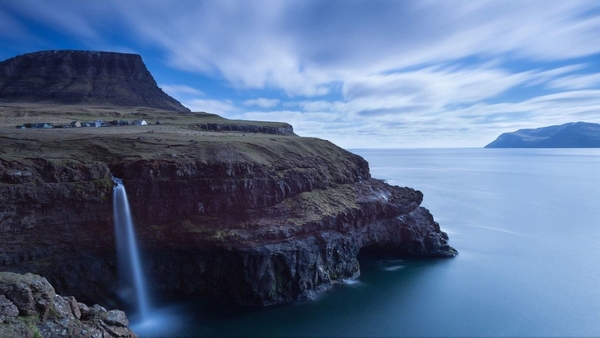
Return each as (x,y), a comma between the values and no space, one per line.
(250,220)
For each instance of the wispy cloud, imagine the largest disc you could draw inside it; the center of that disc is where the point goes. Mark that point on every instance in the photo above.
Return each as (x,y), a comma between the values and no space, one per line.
(263,103)
(180,89)
(392,72)
(224,108)
(581,81)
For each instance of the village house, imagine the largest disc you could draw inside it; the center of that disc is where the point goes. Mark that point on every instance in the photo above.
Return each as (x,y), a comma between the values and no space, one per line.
(78,124)
(140,122)
(42,125)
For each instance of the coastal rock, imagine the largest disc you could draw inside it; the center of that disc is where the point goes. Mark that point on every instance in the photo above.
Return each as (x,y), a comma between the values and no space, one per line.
(29,307)
(286,129)
(82,77)
(248,223)
(245,212)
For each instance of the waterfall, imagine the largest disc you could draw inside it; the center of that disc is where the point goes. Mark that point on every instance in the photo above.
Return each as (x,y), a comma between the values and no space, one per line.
(130,266)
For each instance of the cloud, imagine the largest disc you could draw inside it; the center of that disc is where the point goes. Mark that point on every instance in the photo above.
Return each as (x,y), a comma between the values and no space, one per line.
(175,90)
(223,108)
(581,81)
(81,19)
(388,71)
(263,103)
(302,47)
(10,27)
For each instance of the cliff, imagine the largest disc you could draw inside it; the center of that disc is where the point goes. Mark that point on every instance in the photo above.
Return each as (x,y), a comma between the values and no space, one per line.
(30,307)
(82,78)
(243,211)
(569,135)
(250,220)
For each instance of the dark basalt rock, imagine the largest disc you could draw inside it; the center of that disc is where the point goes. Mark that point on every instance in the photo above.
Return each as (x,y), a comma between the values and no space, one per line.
(30,307)
(246,128)
(569,135)
(252,229)
(258,220)
(82,78)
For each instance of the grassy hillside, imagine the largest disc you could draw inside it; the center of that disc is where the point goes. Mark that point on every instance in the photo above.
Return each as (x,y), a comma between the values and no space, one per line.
(179,134)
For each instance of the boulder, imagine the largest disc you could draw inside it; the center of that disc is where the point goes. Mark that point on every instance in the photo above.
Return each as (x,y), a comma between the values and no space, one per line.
(29,307)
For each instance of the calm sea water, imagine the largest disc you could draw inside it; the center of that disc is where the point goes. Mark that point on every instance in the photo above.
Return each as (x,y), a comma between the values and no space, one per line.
(526,223)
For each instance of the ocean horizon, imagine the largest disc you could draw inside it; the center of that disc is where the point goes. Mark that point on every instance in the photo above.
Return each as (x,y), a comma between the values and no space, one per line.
(524,222)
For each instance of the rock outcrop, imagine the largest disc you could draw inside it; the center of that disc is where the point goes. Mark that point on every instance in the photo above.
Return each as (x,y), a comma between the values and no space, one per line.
(254,222)
(569,135)
(30,307)
(285,129)
(71,77)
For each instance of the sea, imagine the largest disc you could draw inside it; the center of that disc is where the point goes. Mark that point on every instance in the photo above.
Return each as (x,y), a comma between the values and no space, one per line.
(526,223)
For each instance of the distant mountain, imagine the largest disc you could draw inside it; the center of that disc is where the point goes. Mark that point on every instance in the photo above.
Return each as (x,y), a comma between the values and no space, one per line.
(569,135)
(82,78)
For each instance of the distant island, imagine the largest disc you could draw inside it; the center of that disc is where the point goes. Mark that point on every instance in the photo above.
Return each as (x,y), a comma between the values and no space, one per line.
(568,135)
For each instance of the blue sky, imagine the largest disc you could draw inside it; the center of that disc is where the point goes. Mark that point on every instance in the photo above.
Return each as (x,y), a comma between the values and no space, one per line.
(363,74)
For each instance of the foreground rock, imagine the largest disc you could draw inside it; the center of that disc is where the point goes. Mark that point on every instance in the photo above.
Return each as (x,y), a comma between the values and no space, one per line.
(29,307)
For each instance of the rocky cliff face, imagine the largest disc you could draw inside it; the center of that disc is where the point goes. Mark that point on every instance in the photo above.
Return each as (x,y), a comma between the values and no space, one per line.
(82,77)
(30,307)
(286,129)
(251,223)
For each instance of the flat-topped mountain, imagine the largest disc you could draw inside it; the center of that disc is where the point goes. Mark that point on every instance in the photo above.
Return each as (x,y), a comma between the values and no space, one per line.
(82,78)
(568,135)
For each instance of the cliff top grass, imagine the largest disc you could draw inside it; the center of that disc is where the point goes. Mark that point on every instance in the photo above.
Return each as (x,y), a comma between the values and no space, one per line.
(176,136)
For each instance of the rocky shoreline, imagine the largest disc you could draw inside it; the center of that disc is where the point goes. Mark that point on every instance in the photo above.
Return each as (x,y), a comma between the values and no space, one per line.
(30,307)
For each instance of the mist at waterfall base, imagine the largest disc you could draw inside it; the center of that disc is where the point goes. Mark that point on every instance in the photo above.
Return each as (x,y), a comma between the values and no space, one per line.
(132,284)
(527,228)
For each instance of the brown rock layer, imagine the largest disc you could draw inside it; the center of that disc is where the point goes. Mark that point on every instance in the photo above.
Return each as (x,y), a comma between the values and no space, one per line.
(251,223)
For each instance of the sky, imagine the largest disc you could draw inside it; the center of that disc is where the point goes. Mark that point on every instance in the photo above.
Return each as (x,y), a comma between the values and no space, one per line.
(362,74)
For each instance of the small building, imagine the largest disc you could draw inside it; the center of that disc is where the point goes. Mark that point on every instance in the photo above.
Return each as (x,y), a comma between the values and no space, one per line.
(42,125)
(75,124)
(140,122)
(21,127)
(91,124)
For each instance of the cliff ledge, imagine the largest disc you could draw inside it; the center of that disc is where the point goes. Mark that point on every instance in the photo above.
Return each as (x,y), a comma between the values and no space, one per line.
(253,220)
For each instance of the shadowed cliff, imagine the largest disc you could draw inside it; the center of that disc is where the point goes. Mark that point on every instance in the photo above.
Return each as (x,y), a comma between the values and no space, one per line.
(250,220)
(242,211)
(82,78)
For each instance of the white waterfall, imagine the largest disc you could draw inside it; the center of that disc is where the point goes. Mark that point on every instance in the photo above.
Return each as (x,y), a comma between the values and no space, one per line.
(130,267)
